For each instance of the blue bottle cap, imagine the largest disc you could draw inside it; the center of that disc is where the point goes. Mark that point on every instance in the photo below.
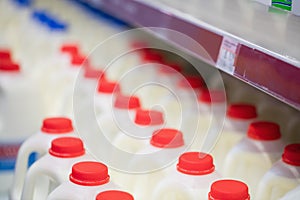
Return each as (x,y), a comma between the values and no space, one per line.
(23,3)
(40,16)
(56,25)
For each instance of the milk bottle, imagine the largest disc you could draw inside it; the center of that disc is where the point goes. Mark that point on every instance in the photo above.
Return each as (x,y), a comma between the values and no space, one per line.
(239,116)
(40,142)
(254,155)
(283,176)
(122,114)
(191,180)
(15,85)
(163,149)
(228,190)
(22,109)
(135,135)
(63,153)
(86,180)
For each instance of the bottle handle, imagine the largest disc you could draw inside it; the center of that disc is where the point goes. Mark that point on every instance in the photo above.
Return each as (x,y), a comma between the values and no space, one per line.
(29,146)
(37,181)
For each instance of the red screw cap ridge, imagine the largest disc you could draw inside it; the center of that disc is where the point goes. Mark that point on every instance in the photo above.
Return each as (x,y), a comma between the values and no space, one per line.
(5,54)
(127,102)
(105,86)
(228,190)
(77,60)
(291,154)
(67,147)
(70,48)
(148,117)
(212,96)
(264,131)
(114,195)
(8,66)
(167,138)
(195,163)
(194,82)
(57,125)
(150,56)
(89,173)
(242,111)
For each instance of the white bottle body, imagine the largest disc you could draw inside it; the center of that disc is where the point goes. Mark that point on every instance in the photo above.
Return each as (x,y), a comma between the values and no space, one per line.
(233,132)
(293,194)
(279,180)
(250,159)
(183,186)
(71,191)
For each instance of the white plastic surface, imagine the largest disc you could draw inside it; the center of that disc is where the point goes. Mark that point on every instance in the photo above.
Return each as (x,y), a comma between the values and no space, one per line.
(177,185)
(293,194)
(72,191)
(143,184)
(234,130)
(279,180)
(250,159)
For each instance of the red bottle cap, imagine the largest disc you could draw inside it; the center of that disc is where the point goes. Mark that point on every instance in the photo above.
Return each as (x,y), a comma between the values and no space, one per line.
(57,125)
(167,138)
(195,163)
(127,102)
(169,68)
(291,154)
(5,54)
(228,190)
(8,66)
(105,86)
(66,147)
(70,48)
(212,96)
(194,82)
(114,195)
(264,131)
(90,72)
(89,173)
(77,60)
(242,111)
(150,56)
(148,117)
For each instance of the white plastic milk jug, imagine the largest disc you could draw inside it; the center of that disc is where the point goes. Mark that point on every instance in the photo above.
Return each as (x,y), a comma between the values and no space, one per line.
(239,116)
(54,166)
(254,155)
(283,176)
(38,143)
(191,180)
